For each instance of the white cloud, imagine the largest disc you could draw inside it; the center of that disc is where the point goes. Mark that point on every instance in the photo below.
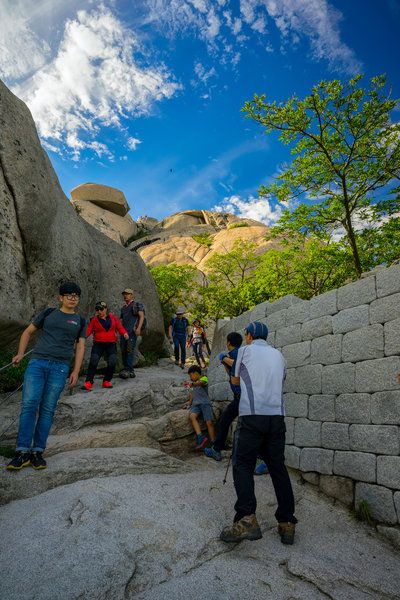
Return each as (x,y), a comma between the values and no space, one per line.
(94,80)
(202,74)
(133,143)
(259,209)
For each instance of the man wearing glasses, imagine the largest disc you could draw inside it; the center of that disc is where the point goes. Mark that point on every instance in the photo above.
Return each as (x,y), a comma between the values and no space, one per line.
(104,327)
(132,317)
(63,330)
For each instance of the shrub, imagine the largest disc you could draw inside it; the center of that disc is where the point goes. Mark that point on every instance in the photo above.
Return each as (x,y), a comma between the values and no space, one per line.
(236,225)
(12,377)
(362,512)
(203,238)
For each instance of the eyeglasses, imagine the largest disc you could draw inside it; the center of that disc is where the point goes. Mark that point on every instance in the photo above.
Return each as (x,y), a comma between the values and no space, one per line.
(71,296)
(99,309)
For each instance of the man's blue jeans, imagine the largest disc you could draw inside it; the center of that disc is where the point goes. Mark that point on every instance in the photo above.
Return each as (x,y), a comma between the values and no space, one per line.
(179,342)
(128,350)
(43,383)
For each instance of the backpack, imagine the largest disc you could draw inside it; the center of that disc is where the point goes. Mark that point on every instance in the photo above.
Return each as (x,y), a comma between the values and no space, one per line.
(184,321)
(136,312)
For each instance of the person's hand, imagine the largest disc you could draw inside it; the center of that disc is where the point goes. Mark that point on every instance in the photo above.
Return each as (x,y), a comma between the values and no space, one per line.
(126,336)
(222,356)
(17,359)
(73,378)
(137,332)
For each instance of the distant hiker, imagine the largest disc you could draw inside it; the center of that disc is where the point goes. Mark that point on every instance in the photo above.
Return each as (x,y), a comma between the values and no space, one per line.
(46,374)
(132,318)
(178,332)
(260,371)
(199,403)
(104,327)
(197,339)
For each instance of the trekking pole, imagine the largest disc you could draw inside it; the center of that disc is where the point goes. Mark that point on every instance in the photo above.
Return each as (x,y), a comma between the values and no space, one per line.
(13,363)
(227,469)
(12,394)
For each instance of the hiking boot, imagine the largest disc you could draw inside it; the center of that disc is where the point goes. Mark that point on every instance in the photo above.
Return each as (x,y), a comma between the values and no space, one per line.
(211,453)
(124,374)
(37,460)
(201,440)
(261,467)
(286,531)
(245,529)
(182,366)
(21,459)
(106,384)
(87,386)
(177,363)
(132,374)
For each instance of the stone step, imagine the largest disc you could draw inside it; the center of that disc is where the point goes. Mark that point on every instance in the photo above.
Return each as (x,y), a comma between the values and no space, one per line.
(68,467)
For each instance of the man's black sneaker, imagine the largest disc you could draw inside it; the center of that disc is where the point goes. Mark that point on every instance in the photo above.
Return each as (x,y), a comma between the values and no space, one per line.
(37,460)
(132,374)
(21,459)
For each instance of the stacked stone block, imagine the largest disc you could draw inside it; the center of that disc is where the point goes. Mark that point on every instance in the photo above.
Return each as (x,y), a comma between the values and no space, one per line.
(342,397)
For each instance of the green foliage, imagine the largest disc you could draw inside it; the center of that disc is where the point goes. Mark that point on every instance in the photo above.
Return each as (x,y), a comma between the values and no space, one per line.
(203,238)
(7,451)
(175,285)
(138,236)
(78,209)
(345,149)
(362,512)
(236,225)
(12,377)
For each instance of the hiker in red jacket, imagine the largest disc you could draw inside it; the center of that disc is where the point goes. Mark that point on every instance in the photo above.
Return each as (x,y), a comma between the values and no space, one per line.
(104,327)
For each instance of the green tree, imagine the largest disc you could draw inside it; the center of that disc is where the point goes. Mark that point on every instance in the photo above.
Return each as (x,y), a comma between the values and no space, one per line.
(175,285)
(346,150)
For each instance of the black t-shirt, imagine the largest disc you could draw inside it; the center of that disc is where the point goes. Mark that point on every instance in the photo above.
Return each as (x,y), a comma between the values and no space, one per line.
(59,332)
(179,326)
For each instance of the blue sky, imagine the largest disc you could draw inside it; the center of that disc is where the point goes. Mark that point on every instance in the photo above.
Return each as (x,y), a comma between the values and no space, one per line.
(145,95)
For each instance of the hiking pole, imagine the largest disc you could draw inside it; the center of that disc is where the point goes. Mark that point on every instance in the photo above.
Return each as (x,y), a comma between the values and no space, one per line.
(227,469)
(13,363)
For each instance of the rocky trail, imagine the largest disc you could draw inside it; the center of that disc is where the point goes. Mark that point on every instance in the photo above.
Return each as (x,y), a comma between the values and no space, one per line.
(127,510)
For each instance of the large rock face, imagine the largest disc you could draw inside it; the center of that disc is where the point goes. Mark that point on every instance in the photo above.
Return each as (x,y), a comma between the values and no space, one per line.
(43,241)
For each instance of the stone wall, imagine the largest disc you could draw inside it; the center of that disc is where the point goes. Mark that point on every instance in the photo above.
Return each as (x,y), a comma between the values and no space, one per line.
(342,397)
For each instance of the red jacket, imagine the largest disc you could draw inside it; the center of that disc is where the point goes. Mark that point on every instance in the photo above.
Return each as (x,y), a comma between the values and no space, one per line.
(100,334)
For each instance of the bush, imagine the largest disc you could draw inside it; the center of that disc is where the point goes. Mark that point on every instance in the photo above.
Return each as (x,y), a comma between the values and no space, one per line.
(12,377)
(138,236)
(203,238)
(236,225)
(362,512)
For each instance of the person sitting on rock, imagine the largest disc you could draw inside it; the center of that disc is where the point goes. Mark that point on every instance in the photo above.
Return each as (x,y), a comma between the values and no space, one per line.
(104,327)
(132,317)
(198,342)
(199,403)
(63,330)
(178,331)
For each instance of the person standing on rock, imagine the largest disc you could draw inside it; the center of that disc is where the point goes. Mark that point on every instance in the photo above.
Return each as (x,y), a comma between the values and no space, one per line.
(178,332)
(198,342)
(62,331)
(132,317)
(260,371)
(104,326)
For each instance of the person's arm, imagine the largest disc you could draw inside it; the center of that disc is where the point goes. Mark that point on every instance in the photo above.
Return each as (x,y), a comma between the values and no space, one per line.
(170,332)
(141,319)
(235,380)
(23,342)
(200,382)
(121,329)
(79,352)
(190,398)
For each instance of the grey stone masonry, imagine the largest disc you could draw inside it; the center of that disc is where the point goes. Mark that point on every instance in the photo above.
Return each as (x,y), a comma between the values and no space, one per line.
(308,379)
(298,313)
(385,408)
(380,439)
(380,501)
(356,465)
(391,332)
(335,436)
(297,355)
(316,459)
(341,488)
(282,303)
(377,375)
(276,320)
(338,379)
(296,405)
(289,422)
(259,312)
(364,344)
(388,281)
(321,408)
(290,382)
(325,304)
(271,339)
(316,327)
(327,350)
(362,291)
(385,309)
(290,334)
(353,408)
(388,471)
(351,319)
(292,456)
(307,433)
